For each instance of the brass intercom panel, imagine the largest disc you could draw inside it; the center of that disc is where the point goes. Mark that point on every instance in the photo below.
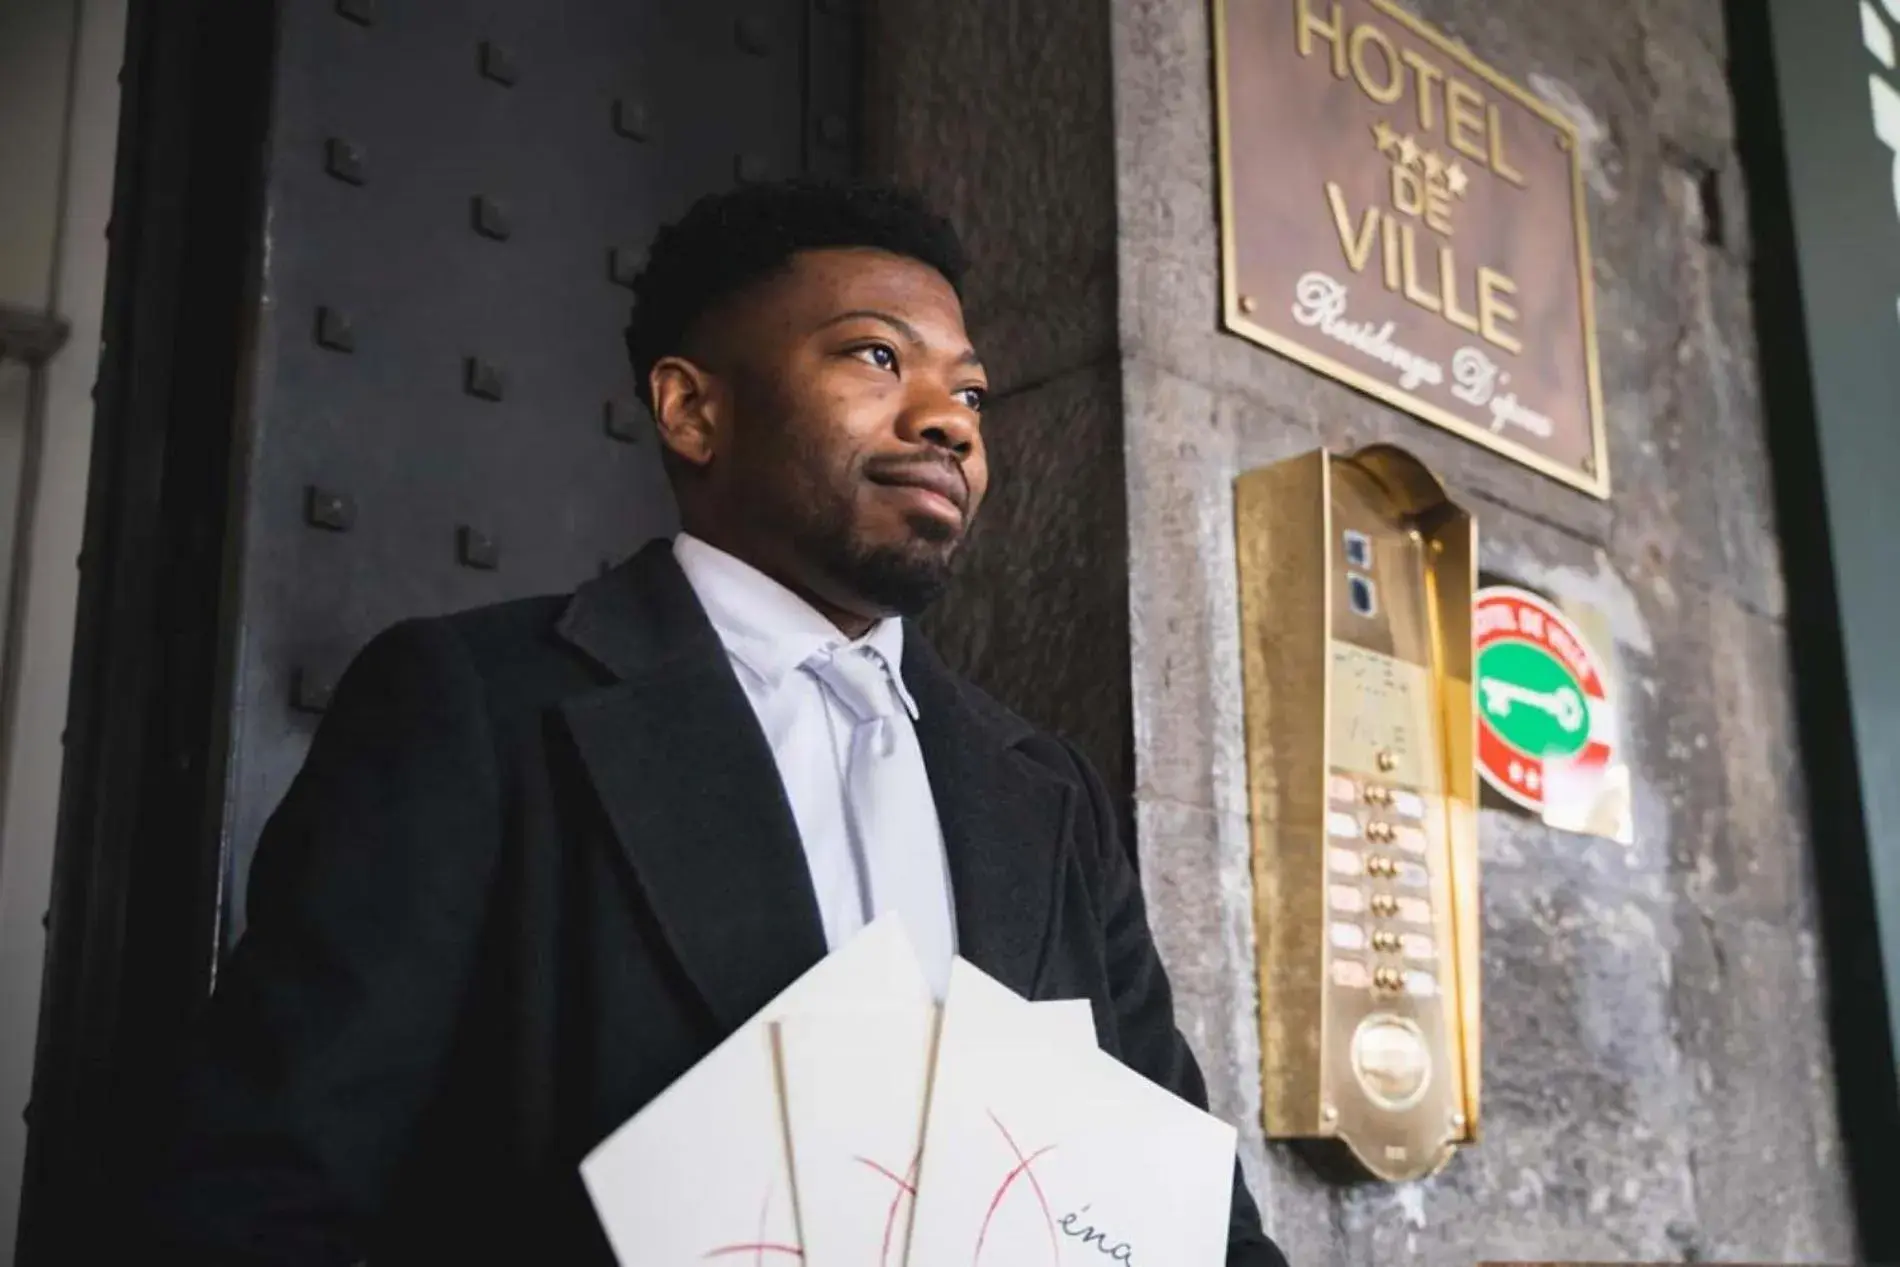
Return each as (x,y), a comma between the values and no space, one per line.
(1356,582)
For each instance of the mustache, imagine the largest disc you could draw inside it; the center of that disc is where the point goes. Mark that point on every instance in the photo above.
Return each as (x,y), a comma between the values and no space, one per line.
(940,472)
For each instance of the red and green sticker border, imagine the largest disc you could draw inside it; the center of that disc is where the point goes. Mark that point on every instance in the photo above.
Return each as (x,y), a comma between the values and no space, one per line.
(1507,613)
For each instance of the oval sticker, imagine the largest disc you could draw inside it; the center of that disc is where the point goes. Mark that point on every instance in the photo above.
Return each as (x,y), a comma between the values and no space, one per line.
(1540,694)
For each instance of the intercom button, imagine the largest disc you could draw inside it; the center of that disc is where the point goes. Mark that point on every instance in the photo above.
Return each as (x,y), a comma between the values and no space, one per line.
(1413,910)
(1351,974)
(1379,833)
(1391,1060)
(1418,946)
(1343,825)
(1341,788)
(1345,862)
(1411,874)
(1422,984)
(1349,936)
(1347,899)
(1409,804)
(1410,839)
(1385,905)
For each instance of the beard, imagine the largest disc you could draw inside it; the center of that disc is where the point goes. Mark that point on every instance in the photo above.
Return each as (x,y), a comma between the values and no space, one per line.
(903,578)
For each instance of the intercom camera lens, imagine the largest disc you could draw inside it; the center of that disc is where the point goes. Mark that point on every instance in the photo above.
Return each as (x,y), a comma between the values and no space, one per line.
(1359,594)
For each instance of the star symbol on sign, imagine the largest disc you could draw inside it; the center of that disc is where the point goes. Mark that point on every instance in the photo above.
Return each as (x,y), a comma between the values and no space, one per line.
(1434,165)
(1533,781)
(1457,179)
(1409,153)
(1517,772)
(1384,137)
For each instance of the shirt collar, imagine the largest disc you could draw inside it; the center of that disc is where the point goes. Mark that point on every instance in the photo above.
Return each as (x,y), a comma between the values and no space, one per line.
(767,628)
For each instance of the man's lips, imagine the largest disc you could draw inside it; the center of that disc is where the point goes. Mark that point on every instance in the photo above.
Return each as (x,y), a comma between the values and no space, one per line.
(945,481)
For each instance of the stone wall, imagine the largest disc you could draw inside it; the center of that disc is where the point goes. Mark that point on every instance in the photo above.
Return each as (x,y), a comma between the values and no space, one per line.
(1657,1072)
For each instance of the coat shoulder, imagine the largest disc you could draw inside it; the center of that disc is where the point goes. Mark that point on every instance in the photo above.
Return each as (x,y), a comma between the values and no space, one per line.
(1045,749)
(504,633)
(515,652)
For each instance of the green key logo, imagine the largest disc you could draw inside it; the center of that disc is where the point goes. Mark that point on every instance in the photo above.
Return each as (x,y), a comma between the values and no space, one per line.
(1531,700)
(1542,703)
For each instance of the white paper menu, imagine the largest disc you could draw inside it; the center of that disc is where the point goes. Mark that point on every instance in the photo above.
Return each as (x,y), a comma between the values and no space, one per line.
(855,1090)
(856,1085)
(702,1173)
(1040,1156)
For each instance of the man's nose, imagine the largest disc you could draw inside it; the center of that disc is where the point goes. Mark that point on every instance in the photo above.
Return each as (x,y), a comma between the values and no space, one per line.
(944,423)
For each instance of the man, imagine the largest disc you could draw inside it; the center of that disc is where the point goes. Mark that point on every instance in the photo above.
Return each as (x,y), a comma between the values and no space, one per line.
(544,856)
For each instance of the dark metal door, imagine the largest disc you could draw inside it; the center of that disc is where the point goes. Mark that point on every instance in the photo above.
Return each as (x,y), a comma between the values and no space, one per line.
(458,195)
(363,361)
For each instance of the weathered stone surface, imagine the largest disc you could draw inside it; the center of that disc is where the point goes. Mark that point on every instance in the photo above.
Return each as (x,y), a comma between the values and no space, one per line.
(1765,1148)
(1726,357)
(1195,873)
(1038,614)
(1000,113)
(1685,55)
(1183,620)
(1719,736)
(1698,501)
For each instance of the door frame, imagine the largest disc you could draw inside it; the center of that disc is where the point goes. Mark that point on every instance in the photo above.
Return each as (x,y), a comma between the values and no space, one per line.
(135,895)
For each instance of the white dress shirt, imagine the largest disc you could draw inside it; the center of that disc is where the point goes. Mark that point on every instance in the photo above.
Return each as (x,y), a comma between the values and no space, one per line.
(772,635)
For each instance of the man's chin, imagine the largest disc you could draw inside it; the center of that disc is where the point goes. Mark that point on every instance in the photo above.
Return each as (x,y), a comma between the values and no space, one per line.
(903,578)
(934,530)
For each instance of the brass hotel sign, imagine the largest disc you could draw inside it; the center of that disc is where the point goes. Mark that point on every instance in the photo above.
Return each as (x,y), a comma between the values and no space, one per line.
(1400,216)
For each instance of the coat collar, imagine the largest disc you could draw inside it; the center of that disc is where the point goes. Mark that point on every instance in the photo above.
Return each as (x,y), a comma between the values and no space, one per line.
(689,784)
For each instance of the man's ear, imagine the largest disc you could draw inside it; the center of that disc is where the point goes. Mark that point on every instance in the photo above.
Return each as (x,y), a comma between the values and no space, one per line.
(689,409)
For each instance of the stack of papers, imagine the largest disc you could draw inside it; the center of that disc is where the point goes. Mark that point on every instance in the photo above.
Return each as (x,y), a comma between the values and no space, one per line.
(853,1123)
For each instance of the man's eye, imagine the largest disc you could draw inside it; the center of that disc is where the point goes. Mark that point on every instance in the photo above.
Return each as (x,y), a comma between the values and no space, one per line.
(974,398)
(878,354)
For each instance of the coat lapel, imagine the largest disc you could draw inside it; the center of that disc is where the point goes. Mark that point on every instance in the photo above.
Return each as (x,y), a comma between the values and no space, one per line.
(689,785)
(688,782)
(1005,820)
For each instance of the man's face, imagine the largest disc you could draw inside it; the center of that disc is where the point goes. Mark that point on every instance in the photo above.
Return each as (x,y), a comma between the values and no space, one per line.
(837,445)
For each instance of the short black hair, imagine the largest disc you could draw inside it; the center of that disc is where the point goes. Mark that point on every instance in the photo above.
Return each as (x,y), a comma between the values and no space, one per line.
(731,240)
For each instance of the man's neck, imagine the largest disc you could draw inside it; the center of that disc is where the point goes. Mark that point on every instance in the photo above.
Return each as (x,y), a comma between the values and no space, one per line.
(851,624)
